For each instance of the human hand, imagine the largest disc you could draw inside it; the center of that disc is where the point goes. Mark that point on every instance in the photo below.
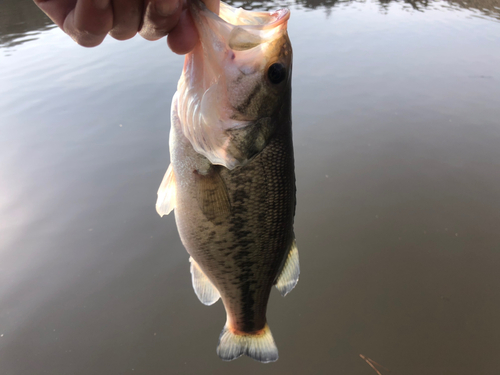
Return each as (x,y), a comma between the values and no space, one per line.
(89,21)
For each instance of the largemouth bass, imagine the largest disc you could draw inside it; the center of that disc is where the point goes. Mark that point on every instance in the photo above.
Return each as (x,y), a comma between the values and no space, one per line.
(231,179)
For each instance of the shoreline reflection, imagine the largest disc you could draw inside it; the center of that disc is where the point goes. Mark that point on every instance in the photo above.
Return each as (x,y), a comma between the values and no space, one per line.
(21,20)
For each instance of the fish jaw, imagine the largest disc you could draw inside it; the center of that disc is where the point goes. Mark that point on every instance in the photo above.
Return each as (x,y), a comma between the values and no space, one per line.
(225,85)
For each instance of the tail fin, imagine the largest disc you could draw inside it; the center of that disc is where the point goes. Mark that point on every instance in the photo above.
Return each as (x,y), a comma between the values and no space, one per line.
(260,347)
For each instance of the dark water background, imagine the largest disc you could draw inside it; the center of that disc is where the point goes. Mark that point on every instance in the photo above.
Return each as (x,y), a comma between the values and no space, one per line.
(396,110)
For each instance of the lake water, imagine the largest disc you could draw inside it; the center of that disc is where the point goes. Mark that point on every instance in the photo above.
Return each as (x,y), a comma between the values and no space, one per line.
(396,110)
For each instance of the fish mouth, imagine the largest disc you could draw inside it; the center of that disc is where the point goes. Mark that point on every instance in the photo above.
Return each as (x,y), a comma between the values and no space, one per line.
(255,20)
(239,29)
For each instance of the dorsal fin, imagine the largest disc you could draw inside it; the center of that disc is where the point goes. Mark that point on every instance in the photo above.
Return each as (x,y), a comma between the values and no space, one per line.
(206,291)
(290,274)
(166,193)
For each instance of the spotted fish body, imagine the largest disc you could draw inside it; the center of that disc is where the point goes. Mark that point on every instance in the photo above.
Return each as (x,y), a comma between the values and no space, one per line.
(231,178)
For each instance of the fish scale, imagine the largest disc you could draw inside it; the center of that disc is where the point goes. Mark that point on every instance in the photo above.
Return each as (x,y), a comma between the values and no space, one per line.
(253,251)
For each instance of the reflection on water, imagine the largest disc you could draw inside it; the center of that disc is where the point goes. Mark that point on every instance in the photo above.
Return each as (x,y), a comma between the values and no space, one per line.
(21,21)
(396,138)
(489,8)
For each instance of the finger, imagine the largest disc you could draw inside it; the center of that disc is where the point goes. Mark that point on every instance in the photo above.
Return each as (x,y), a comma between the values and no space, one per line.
(90,21)
(184,36)
(127,18)
(160,17)
(213,5)
(56,10)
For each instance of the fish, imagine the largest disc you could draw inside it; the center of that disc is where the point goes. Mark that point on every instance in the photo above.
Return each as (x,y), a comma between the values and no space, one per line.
(231,178)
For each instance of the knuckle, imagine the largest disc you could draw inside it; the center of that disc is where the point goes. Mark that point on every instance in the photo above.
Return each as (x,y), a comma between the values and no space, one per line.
(122,34)
(151,32)
(94,26)
(154,27)
(150,37)
(87,40)
(95,30)
(89,43)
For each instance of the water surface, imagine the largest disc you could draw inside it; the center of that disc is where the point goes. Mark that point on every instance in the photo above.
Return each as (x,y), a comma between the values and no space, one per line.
(396,109)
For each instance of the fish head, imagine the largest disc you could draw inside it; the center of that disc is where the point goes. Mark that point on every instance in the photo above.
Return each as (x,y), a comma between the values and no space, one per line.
(236,83)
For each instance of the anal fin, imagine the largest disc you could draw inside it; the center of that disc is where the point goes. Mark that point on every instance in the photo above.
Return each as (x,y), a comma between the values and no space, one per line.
(206,291)
(290,273)
(166,193)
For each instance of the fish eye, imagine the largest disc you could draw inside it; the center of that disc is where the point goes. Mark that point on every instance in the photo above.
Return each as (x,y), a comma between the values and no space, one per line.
(276,73)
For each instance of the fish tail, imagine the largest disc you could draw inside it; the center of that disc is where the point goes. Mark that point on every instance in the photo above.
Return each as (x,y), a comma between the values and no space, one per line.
(258,345)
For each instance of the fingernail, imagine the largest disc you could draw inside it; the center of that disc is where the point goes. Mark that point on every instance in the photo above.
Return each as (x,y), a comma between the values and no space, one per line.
(101,4)
(166,7)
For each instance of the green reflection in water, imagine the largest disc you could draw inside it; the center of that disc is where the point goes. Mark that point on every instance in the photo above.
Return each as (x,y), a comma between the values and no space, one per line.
(21,21)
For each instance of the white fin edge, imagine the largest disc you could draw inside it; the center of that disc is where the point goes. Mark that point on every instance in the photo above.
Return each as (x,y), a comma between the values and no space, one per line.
(289,276)
(166,193)
(260,347)
(206,292)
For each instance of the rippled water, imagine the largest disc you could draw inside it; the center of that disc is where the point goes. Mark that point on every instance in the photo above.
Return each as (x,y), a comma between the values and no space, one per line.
(396,110)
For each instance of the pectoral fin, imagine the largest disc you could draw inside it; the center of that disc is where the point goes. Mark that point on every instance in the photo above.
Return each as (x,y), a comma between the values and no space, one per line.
(290,274)
(206,291)
(212,194)
(166,193)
